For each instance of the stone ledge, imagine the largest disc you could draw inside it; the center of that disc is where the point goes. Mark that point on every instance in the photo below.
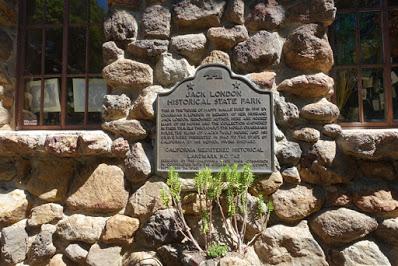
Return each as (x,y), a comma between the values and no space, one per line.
(59,143)
(370,144)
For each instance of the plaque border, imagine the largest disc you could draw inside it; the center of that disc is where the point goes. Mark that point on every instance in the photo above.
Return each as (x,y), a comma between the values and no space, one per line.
(191,173)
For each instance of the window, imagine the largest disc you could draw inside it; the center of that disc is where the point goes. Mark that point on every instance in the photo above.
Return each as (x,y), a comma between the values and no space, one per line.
(60,63)
(364,37)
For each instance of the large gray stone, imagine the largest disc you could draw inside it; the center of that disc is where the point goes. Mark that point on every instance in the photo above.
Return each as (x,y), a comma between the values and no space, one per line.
(191,46)
(130,129)
(146,200)
(265,16)
(235,11)
(76,253)
(120,25)
(307,49)
(78,227)
(370,144)
(14,243)
(342,226)
(288,153)
(226,38)
(155,22)
(126,73)
(147,48)
(294,203)
(286,245)
(286,113)
(169,70)
(104,256)
(322,111)
(13,205)
(46,213)
(111,52)
(198,14)
(308,86)
(137,164)
(42,247)
(115,107)
(312,11)
(98,189)
(162,228)
(259,52)
(143,106)
(217,57)
(360,253)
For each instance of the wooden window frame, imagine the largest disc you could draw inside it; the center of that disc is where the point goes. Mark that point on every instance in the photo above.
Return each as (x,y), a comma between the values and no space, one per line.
(386,65)
(63,76)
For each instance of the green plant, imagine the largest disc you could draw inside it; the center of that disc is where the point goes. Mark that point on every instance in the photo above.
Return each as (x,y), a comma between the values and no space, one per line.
(217,250)
(229,185)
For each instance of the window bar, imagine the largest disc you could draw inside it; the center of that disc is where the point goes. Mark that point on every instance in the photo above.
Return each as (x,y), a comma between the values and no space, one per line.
(387,64)
(20,83)
(358,67)
(43,49)
(65,36)
(86,64)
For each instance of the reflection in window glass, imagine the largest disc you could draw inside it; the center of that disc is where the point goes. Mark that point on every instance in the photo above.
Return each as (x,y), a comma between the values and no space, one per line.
(394,35)
(51,103)
(371,41)
(394,81)
(54,11)
(357,3)
(33,52)
(77,50)
(35,11)
(373,95)
(73,117)
(95,58)
(344,41)
(98,10)
(347,95)
(78,12)
(97,90)
(393,2)
(31,110)
(53,51)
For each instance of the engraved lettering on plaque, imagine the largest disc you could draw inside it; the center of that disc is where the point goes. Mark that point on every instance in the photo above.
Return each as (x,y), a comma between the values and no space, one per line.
(213,119)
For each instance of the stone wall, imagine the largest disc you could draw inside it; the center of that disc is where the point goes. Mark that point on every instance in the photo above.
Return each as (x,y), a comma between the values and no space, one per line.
(90,198)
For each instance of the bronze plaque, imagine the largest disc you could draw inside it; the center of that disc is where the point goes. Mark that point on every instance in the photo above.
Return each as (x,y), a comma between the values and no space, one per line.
(213,119)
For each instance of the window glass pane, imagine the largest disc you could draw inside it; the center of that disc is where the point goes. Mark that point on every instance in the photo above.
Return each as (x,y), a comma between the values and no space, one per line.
(357,3)
(31,109)
(53,51)
(394,35)
(77,50)
(35,11)
(97,90)
(373,95)
(371,41)
(98,10)
(344,39)
(33,52)
(347,95)
(394,81)
(393,2)
(54,11)
(78,12)
(52,102)
(95,49)
(74,110)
